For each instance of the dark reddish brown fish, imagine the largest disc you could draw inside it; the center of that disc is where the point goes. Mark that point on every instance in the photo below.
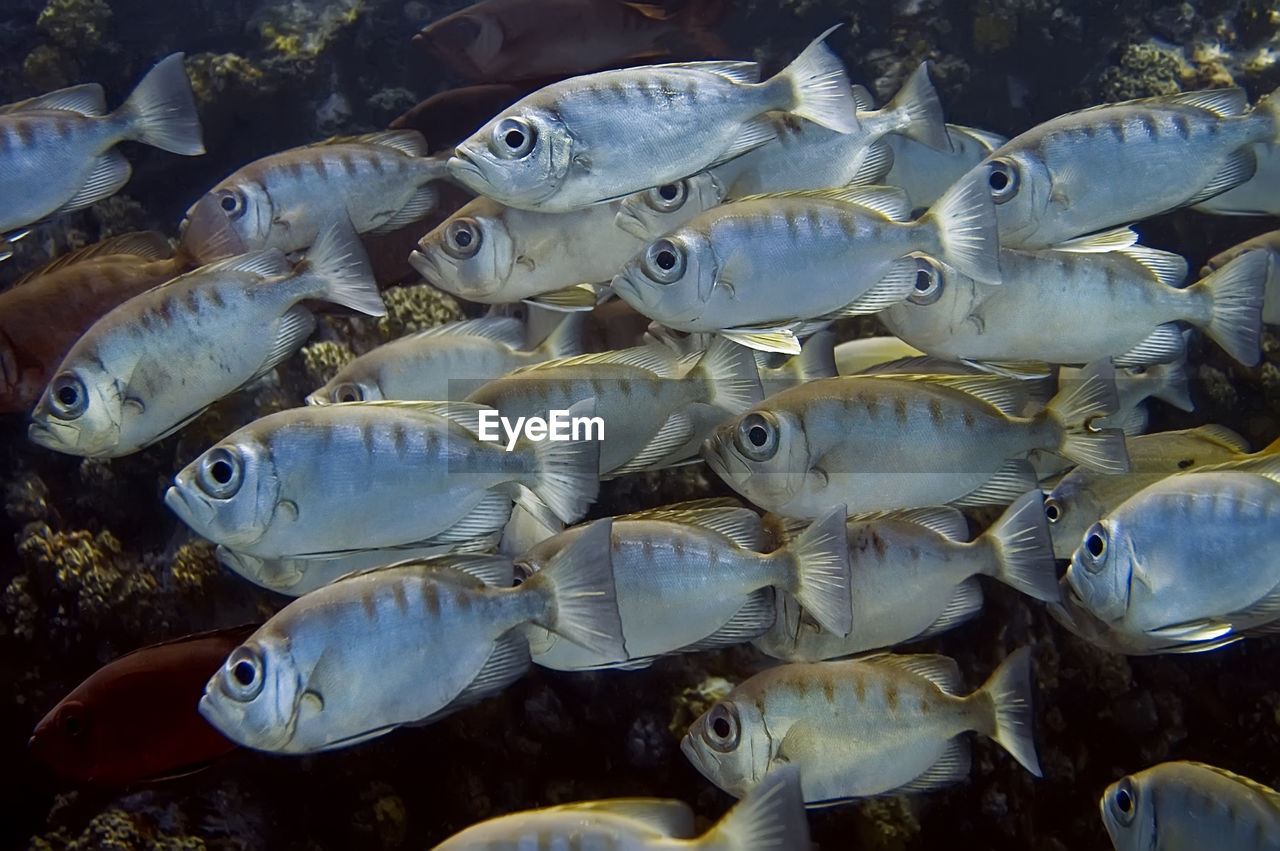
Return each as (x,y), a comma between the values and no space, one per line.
(43,315)
(135,718)
(446,118)
(504,40)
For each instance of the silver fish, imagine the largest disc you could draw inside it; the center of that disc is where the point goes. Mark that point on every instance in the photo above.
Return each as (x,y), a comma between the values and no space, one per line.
(379,181)
(1167,382)
(423,366)
(1193,558)
(1257,196)
(398,645)
(693,579)
(601,136)
(1269,245)
(914,575)
(330,479)
(644,396)
(57,151)
(1190,806)
(863,727)
(771,818)
(925,173)
(493,254)
(1125,304)
(1083,496)
(840,441)
(1110,165)
(853,248)
(157,361)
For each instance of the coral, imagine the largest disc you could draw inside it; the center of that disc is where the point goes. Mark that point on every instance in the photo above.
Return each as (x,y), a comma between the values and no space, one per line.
(75,24)
(886,823)
(20,608)
(296,30)
(323,360)
(26,498)
(993,31)
(689,704)
(46,68)
(136,822)
(1144,70)
(415,308)
(194,568)
(383,815)
(119,214)
(214,74)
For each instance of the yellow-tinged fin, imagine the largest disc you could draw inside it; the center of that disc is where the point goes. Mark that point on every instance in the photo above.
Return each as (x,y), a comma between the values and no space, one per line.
(85,99)
(740,525)
(652,11)
(735,70)
(820,88)
(672,819)
(408,142)
(1170,269)
(1227,103)
(889,201)
(1101,242)
(770,818)
(965,603)
(465,414)
(654,358)
(942,671)
(568,299)
(500,329)
(766,340)
(1228,439)
(1007,395)
(1272,796)
(145,245)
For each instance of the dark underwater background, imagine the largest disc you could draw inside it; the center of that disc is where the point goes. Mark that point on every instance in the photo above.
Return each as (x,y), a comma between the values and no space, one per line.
(92,564)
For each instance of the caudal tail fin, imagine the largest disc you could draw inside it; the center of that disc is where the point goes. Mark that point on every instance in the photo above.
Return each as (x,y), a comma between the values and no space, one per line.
(965,219)
(1024,548)
(821,89)
(341,267)
(1011,719)
(1087,397)
(921,112)
(770,818)
(1236,292)
(162,110)
(582,602)
(820,579)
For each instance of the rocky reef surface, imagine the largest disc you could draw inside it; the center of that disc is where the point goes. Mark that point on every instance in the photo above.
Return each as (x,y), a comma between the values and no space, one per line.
(92,565)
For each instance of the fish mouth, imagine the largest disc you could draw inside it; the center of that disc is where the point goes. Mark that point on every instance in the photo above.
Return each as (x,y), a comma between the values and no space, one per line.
(425,265)
(60,437)
(191,509)
(642,298)
(465,169)
(630,223)
(713,453)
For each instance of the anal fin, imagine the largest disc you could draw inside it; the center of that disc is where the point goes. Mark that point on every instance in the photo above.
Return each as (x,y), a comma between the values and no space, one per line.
(1014,478)
(951,767)
(110,172)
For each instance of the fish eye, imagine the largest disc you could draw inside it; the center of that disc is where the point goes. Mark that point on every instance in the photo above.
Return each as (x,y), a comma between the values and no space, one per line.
(244,674)
(514,138)
(522,571)
(231,202)
(667,197)
(723,728)
(1124,803)
(1095,547)
(664,262)
(348,391)
(221,472)
(928,285)
(73,720)
(68,398)
(1052,510)
(757,436)
(1002,180)
(462,238)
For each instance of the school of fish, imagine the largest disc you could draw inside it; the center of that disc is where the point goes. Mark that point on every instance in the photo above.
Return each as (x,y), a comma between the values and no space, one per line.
(434,537)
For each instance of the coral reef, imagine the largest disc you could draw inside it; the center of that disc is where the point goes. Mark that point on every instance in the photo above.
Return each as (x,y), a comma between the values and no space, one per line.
(416,308)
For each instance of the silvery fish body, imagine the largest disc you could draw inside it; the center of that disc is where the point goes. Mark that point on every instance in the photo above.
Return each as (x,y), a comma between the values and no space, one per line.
(1193,557)
(1167,382)
(1268,244)
(840,441)
(424,365)
(1190,806)
(334,478)
(601,136)
(863,727)
(398,645)
(693,580)
(378,181)
(1122,304)
(494,254)
(771,818)
(1110,165)
(915,575)
(1083,496)
(844,251)
(643,397)
(1257,196)
(155,362)
(926,173)
(57,151)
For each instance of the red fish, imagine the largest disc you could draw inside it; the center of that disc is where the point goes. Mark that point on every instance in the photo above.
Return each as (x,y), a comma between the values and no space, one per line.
(447,118)
(504,40)
(43,315)
(135,718)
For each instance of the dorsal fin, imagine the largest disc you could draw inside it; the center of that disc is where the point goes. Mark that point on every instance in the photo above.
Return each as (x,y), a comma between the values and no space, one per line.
(738,524)
(1101,242)
(1007,395)
(1170,269)
(862,99)
(86,99)
(146,245)
(1228,103)
(737,71)
(501,329)
(408,142)
(465,414)
(889,201)
(671,819)
(1224,437)
(655,359)
(942,671)
(266,262)
(1272,796)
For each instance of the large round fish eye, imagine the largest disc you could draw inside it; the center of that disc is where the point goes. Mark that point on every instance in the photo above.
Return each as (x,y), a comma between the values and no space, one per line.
(221,472)
(664,261)
(723,728)
(1124,803)
(1053,510)
(928,285)
(668,197)
(757,436)
(1002,180)
(1094,547)
(513,138)
(231,202)
(462,238)
(244,673)
(74,720)
(68,398)
(348,391)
